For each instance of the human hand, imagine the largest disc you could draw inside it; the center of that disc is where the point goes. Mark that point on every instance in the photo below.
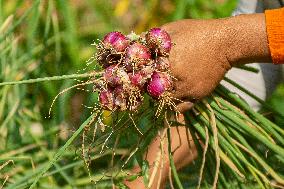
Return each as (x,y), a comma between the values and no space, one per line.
(197,59)
(205,50)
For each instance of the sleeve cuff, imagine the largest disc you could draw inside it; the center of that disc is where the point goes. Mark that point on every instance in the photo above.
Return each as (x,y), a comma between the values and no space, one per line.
(275,33)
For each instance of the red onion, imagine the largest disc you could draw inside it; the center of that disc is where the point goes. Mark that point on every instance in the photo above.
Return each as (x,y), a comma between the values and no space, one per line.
(136,56)
(106,99)
(133,64)
(117,41)
(115,75)
(159,41)
(159,83)
(111,49)
(140,77)
(137,79)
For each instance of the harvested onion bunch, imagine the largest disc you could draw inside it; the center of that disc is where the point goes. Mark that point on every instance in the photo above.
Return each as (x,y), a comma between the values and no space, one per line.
(133,66)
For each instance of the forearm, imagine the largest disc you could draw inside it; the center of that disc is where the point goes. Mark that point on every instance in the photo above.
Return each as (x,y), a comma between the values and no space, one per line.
(158,159)
(246,39)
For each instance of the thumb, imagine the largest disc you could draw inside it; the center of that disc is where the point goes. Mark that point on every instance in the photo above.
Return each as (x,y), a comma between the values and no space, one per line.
(184,106)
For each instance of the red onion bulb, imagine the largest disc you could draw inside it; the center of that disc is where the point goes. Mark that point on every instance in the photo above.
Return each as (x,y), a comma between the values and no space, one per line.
(159,41)
(115,75)
(106,99)
(137,55)
(116,40)
(159,83)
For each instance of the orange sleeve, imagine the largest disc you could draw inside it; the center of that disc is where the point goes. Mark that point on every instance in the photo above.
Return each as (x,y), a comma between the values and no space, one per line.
(275,33)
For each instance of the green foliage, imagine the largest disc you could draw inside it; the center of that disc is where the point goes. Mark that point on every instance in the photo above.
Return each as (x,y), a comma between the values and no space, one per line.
(277,102)
(202,9)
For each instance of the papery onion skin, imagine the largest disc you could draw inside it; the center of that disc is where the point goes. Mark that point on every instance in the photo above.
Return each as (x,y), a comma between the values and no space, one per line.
(137,55)
(120,98)
(115,75)
(106,99)
(159,41)
(117,41)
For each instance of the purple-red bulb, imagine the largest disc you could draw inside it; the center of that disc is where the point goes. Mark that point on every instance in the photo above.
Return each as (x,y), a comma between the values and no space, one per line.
(159,41)
(159,83)
(117,41)
(137,55)
(115,75)
(106,99)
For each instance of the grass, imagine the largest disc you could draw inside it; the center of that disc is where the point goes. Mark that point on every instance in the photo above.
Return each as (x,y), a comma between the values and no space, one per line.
(51,40)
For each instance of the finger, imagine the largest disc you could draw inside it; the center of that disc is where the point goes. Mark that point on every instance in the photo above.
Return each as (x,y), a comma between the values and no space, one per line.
(184,106)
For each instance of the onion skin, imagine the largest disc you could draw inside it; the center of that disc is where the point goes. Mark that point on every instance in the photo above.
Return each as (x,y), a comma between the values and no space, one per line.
(137,79)
(110,75)
(106,99)
(120,97)
(159,41)
(117,41)
(115,75)
(160,82)
(136,56)
(140,78)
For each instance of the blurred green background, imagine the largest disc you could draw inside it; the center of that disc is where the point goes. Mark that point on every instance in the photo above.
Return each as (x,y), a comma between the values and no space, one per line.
(47,38)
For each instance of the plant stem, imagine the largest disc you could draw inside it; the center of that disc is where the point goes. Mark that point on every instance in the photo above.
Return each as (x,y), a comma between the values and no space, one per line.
(172,164)
(53,78)
(263,103)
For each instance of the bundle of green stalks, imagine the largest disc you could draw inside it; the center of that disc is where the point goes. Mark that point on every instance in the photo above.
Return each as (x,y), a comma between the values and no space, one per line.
(243,143)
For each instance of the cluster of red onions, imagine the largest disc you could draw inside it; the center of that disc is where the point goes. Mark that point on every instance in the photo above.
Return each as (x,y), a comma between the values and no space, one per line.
(133,66)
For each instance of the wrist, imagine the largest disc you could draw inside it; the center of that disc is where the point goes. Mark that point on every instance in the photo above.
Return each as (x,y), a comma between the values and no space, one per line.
(246,39)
